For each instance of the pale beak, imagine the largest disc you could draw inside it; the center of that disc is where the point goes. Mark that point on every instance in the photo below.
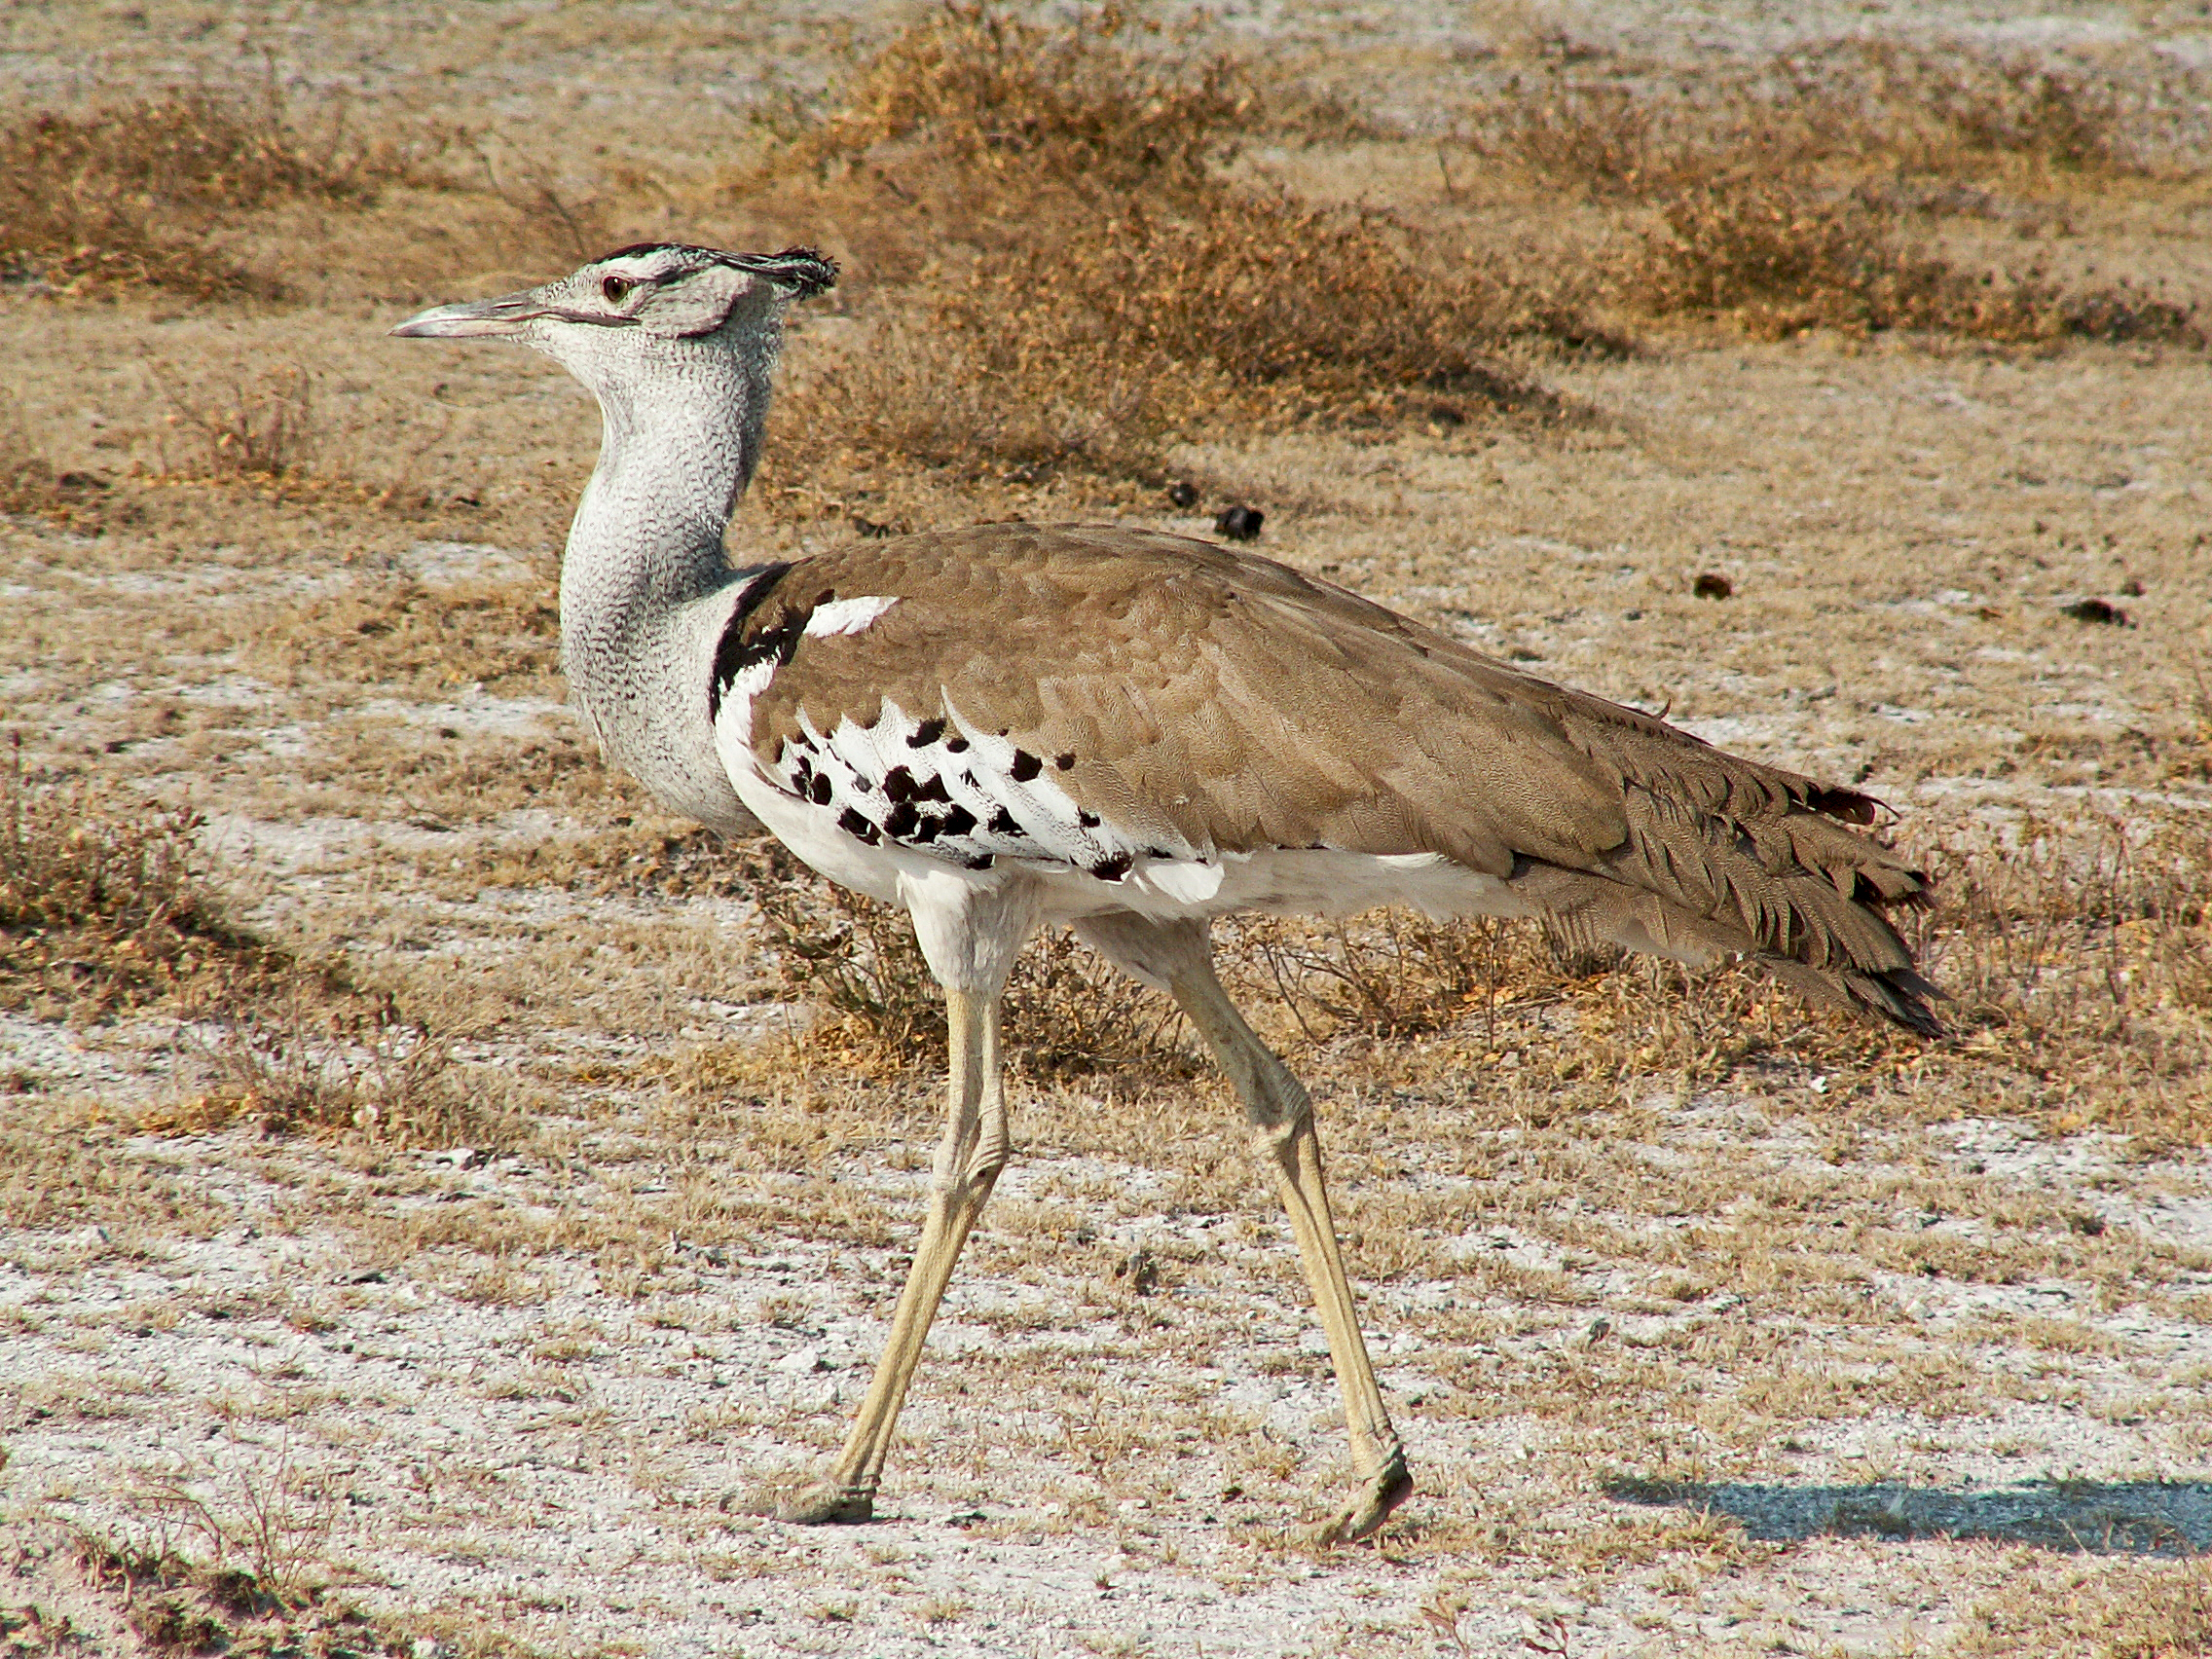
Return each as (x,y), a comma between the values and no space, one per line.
(474,320)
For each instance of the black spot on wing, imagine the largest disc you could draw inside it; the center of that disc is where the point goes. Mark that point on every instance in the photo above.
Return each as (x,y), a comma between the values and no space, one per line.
(925,734)
(853,823)
(1112,869)
(1026,765)
(902,820)
(1003,824)
(958,821)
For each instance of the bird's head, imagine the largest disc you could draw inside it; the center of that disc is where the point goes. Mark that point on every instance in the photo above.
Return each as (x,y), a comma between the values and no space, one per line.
(640,299)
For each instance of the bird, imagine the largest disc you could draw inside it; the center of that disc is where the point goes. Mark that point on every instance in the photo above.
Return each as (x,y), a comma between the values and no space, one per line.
(1014,727)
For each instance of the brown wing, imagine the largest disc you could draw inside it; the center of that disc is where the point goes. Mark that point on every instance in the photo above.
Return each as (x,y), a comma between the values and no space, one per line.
(1244,706)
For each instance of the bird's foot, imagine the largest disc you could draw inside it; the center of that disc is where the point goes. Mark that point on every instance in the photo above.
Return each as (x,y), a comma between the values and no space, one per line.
(1380,1493)
(828,1503)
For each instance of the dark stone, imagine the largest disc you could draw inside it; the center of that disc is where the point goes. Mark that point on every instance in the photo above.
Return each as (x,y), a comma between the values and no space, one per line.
(1183,494)
(2101,612)
(1239,523)
(1712,584)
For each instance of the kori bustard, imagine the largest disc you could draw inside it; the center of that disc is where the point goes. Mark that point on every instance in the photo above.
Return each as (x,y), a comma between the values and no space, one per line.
(1010,727)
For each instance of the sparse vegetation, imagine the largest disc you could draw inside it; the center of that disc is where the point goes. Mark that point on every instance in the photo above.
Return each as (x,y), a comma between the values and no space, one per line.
(141,192)
(258,425)
(1093,283)
(1850,474)
(106,902)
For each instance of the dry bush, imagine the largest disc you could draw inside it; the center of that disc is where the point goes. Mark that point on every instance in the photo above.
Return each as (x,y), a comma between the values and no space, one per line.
(1859,105)
(241,425)
(141,192)
(106,902)
(1604,142)
(1935,109)
(1782,256)
(30,483)
(2078,960)
(1755,211)
(1067,1012)
(981,92)
(1094,284)
(355,1064)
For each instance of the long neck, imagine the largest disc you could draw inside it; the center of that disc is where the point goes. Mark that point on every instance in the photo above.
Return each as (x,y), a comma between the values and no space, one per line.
(645,559)
(677,448)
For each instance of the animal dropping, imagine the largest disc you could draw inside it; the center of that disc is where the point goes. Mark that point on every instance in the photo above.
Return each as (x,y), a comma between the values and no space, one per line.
(1239,523)
(1015,725)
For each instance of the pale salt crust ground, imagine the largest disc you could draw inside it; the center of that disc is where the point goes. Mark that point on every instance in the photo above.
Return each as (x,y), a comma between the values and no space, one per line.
(547,1458)
(578,1492)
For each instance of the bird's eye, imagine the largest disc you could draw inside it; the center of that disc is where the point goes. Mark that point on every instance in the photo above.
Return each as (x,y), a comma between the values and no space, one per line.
(616,289)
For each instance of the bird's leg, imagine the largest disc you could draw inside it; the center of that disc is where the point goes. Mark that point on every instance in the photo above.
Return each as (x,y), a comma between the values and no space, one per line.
(1281,1116)
(969,1159)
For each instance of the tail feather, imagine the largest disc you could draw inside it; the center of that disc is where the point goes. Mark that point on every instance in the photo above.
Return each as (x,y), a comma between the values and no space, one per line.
(1800,896)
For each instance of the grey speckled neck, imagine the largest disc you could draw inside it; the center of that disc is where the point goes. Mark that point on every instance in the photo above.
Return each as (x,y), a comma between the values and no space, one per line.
(644,583)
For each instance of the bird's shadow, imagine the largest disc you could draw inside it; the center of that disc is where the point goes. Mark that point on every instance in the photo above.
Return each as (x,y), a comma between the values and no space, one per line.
(2145,1518)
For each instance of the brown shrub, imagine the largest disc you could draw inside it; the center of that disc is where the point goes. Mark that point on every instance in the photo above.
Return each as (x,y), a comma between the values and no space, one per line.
(1781,257)
(980,92)
(141,192)
(106,902)
(1094,284)
(307,1064)
(1066,1012)
(241,425)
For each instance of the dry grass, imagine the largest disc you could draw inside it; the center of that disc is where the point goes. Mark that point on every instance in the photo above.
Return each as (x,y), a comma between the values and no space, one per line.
(1092,284)
(107,903)
(247,424)
(2111,1610)
(1067,1013)
(1782,256)
(30,483)
(1791,207)
(2079,962)
(144,192)
(354,1067)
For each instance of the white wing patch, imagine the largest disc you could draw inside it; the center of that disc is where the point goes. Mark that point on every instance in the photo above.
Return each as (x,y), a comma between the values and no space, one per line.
(848,616)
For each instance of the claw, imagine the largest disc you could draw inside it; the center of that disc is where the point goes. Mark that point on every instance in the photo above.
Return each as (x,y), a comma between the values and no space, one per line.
(826,1503)
(1381,1493)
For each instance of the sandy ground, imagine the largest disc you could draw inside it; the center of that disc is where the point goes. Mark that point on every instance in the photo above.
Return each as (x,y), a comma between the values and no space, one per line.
(1784,1365)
